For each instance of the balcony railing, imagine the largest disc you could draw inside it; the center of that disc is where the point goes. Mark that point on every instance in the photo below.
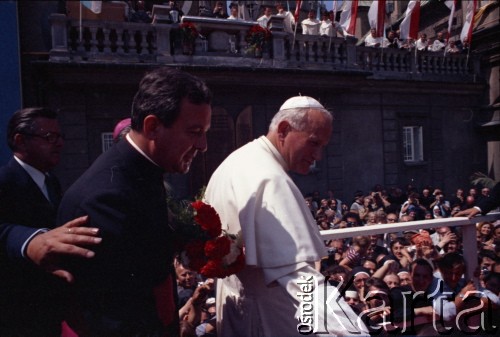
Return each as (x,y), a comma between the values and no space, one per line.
(222,42)
(469,243)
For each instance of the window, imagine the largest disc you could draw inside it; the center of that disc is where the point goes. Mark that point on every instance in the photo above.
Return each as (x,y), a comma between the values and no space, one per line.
(106,140)
(412,144)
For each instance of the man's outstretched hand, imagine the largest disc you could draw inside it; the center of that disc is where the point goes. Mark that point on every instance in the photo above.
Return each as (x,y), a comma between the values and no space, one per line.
(470,213)
(46,249)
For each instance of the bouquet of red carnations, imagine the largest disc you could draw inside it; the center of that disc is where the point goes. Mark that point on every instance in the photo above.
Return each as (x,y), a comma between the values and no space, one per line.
(209,249)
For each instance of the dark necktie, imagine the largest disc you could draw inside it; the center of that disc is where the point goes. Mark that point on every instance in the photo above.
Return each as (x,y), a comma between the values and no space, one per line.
(53,189)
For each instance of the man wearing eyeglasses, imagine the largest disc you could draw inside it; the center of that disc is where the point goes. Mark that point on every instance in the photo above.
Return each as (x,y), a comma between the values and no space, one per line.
(30,300)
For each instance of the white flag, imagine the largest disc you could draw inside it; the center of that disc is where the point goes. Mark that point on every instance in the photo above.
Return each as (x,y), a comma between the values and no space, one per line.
(94,6)
(469,8)
(409,25)
(348,17)
(376,16)
(451,4)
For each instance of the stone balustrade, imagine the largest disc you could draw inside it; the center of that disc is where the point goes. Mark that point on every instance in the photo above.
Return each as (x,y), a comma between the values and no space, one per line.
(222,42)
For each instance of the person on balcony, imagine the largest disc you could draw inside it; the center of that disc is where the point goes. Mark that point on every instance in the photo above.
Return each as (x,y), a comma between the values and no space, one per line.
(372,40)
(310,26)
(219,11)
(422,43)
(439,44)
(452,48)
(233,10)
(140,14)
(263,21)
(328,27)
(289,19)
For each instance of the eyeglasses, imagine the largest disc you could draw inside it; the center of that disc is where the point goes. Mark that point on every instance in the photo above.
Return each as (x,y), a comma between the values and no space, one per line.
(50,137)
(351,223)
(391,219)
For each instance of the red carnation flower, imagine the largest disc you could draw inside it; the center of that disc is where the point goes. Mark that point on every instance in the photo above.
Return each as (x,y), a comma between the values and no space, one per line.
(208,218)
(218,248)
(213,268)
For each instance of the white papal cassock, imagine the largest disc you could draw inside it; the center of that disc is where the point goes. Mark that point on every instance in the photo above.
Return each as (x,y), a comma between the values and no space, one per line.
(252,192)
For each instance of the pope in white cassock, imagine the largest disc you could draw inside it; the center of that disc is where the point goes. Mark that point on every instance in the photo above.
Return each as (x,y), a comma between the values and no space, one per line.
(279,292)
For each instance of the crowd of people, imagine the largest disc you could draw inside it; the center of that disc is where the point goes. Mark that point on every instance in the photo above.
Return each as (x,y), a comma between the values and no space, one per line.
(428,260)
(438,44)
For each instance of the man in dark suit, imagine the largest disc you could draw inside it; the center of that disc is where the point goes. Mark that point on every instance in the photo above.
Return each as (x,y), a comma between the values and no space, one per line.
(484,205)
(30,298)
(127,288)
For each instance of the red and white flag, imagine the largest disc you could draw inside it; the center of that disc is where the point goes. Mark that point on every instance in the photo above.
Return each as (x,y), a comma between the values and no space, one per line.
(348,17)
(409,25)
(451,4)
(470,7)
(298,3)
(376,16)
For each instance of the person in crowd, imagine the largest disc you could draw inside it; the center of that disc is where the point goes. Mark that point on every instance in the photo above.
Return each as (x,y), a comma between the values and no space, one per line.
(404,277)
(359,276)
(392,280)
(458,198)
(282,243)
(351,297)
(358,202)
(328,27)
(484,205)
(187,281)
(485,235)
(439,43)
(422,278)
(426,198)
(310,25)
(174,12)
(372,40)
(392,40)
(378,304)
(398,250)
(452,48)
(233,12)
(356,253)
(219,11)
(140,14)
(366,209)
(412,205)
(352,219)
(289,19)
(441,207)
(31,298)
(263,21)
(128,287)
(442,237)
(422,42)
(196,316)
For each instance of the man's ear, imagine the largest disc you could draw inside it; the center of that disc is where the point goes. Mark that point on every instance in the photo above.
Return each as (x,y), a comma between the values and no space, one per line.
(150,126)
(19,141)
(284,128)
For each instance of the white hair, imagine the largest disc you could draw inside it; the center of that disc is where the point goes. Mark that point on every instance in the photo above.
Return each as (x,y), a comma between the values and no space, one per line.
(297,117)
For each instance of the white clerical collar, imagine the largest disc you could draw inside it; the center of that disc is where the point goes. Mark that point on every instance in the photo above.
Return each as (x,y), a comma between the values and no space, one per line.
(35,174)
(274,151)
(134,145)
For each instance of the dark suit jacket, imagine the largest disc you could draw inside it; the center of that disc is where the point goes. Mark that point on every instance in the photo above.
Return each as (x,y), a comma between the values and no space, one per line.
(124,196)
(29,297)
(491,202)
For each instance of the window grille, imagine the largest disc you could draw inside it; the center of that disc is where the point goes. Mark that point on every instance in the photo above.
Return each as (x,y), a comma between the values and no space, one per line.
(106,140)
(413,144)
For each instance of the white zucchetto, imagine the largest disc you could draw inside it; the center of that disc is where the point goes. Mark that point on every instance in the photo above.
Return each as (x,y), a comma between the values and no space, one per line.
(301,102)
